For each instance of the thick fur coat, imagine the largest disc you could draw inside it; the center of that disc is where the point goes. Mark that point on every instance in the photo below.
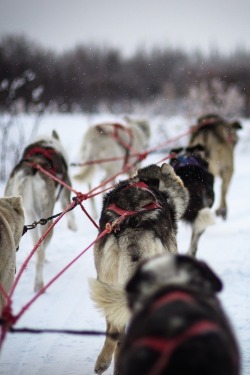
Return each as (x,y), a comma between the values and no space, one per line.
(39,191)
(147,208)
(114,141)
(219,137)
(178,325)
(11,229)
(190,165)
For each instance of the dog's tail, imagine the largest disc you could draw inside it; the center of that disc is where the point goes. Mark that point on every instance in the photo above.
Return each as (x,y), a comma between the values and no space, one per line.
(110,299)
(86,172)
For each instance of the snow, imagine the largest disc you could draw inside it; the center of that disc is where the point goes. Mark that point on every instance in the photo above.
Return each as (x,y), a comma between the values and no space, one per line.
(67,305)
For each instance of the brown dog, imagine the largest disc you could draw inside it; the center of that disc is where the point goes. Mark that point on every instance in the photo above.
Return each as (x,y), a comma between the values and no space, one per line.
(11,228)
(219,138)
(146,209)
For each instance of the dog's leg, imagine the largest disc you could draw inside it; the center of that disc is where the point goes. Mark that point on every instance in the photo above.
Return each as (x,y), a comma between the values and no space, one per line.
(65,201)
(226,176)
(203,219)
(105,357)
(194,243)
(93,204)
(117,351)
(39,283)
(39,268)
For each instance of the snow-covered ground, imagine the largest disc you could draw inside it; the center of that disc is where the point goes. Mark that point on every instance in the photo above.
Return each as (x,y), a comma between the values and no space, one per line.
(67,305)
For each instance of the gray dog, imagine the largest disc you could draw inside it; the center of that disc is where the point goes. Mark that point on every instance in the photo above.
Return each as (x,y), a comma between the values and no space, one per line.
(145,210)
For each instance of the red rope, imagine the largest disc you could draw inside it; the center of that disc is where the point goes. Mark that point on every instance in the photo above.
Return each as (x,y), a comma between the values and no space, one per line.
(41,169)
(25,307)
(7,315)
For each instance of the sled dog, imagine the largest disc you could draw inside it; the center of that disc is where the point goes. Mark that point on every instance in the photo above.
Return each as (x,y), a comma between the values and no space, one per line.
(190,165)
(11,229)
(40,192)
(143,212)
(178,325)
(219,138)
(115,142)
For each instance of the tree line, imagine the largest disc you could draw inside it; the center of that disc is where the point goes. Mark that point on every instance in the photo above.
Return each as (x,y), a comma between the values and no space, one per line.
(86,77)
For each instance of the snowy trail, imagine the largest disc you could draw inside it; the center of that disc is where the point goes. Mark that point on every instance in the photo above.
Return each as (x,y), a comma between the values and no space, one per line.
(67,305)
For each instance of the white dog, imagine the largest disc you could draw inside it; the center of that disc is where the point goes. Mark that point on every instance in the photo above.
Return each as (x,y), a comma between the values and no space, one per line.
(112,141)
(40,192)
(11,229)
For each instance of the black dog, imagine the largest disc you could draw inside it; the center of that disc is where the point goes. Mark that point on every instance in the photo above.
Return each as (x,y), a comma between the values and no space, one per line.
(178,326)
(190,165)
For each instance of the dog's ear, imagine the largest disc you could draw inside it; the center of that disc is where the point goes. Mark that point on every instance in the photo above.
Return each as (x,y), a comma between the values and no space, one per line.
(210,276)
(236,125)
(55,135)
(201,274)
(151,172)
(197,147)
(176,150)
(166,169)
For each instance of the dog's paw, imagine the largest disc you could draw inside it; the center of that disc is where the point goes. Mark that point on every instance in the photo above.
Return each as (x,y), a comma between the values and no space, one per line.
(38,286)
(101,366)
(222,212)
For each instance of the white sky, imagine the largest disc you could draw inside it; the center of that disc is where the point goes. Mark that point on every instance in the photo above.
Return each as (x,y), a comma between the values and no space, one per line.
(129,24)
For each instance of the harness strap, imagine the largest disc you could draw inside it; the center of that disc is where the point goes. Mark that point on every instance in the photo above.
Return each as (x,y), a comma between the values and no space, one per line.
(115,135)
(47,153)
(166,347)
(172,297)
(150,206)
(121,212)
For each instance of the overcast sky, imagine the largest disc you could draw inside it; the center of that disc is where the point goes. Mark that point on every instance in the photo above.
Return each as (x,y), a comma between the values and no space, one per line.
(129,24)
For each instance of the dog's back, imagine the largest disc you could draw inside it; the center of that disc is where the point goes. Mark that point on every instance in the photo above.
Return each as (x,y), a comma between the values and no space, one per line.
(111,140)
(219,138)
(190,165)
(178,325)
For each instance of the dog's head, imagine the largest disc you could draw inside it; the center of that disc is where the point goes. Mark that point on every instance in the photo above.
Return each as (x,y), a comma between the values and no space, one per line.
(52,141)
(170,271)
(192,155)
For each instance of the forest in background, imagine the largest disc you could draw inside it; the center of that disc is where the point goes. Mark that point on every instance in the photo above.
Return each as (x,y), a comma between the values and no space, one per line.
(93,79)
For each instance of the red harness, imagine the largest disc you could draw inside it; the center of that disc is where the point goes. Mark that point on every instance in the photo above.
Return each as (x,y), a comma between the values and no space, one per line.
(151,206)
(122,213)
(167,346)
(115,135)
(49,154)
